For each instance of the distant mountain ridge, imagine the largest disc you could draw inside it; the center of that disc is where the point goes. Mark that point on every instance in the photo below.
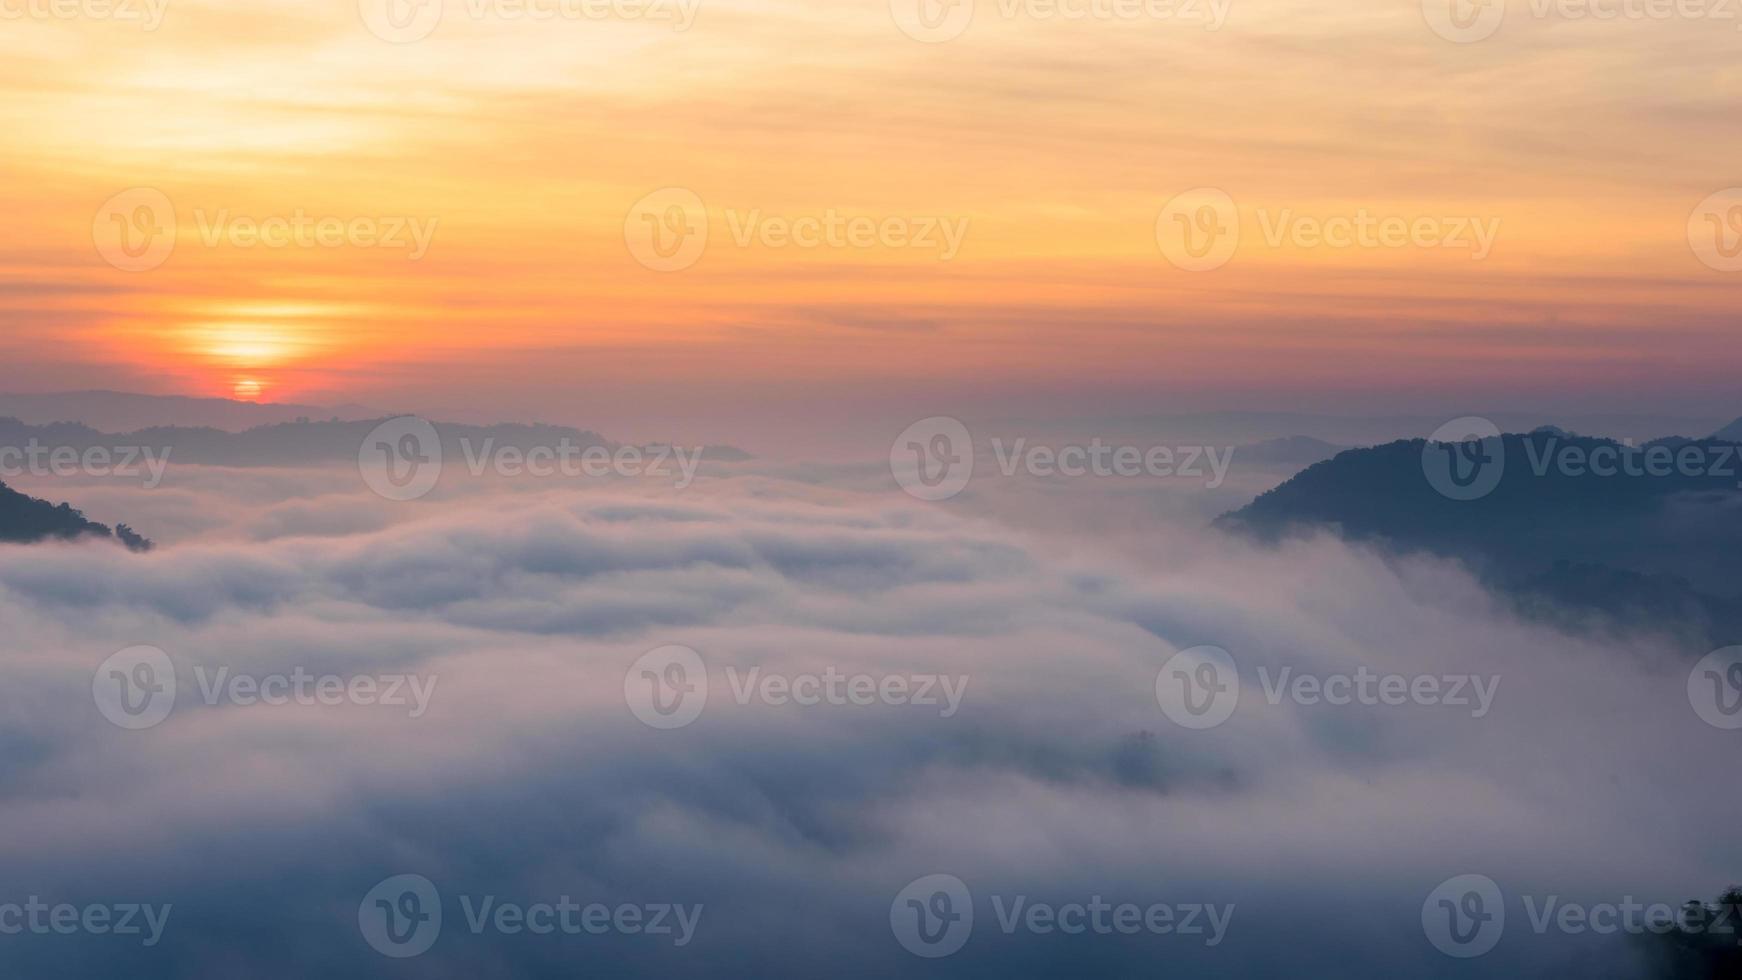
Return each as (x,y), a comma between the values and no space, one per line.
(1290,450)
(308,442)
(120,411)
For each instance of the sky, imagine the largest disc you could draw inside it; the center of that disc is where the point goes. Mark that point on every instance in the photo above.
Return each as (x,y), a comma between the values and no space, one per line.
(717,219)
(999,214)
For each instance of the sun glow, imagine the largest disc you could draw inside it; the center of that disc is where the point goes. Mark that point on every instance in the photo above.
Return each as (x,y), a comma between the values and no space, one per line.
(251,345)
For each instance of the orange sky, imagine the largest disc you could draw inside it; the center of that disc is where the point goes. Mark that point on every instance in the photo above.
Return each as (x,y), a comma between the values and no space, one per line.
(522,147)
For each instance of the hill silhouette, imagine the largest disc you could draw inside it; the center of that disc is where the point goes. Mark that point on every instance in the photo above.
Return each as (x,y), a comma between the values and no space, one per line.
(1657,549)
(25,520)
(121,410)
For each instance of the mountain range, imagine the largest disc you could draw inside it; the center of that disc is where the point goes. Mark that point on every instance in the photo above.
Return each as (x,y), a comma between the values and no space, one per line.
(123,411)
(303,442)
(1650,549)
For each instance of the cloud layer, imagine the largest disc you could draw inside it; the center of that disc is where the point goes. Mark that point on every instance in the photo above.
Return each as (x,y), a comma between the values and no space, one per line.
(1058,779)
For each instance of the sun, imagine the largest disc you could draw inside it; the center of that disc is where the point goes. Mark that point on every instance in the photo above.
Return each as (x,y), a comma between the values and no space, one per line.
(247,389)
